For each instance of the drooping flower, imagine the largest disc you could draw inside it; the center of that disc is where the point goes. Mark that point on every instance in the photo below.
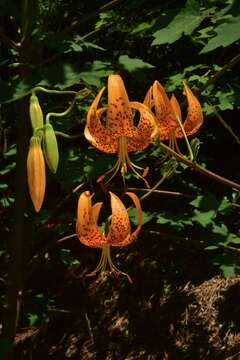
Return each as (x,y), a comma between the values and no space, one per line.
(119,134)
(119,233)
(168,113)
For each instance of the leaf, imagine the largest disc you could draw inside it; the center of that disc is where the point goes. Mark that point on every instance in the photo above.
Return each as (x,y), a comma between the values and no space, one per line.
(133,64)
(146,216)
(228,270)
(67,257)
(211,247)
(225,99)
(185,22)
(204,218)
(61,75)
(32,318)
(227,33)
(144,26)
(7,168)
(232,238)
(206,202)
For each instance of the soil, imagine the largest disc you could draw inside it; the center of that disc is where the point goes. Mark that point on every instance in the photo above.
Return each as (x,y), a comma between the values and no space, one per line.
(177,307)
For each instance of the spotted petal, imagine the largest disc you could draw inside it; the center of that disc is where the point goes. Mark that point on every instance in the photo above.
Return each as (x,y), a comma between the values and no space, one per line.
(120,229)
(87,216)
(164,112)
(146,129)
(119,116)
(176,107)
(194,118)
(95,132)
(137,204)
(148,100)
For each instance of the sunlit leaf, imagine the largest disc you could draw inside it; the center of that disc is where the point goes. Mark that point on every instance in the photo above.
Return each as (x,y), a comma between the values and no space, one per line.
(226,34)
(185,22)
(133,64)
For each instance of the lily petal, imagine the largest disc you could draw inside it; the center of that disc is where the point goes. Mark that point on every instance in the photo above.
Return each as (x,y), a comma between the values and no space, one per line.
(97,134)
(119,116)
(176,107)
(194,118)
(146,129)
(148,100)
(87,216)
(164,112)
(137,204)
(120,229)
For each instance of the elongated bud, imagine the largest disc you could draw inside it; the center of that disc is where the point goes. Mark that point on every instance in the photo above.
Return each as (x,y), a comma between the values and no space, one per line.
(35,111)
(36,172)
(50,147)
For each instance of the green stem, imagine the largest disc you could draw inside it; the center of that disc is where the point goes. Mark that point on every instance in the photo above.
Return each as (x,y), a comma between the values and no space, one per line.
(59,92)
(59,133)
(225,125)
(220,73)
(162,192)
(200,169)
(64,113)
(185,138)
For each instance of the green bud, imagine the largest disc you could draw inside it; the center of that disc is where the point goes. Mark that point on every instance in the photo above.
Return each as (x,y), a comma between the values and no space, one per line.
(35,111)
(50,147)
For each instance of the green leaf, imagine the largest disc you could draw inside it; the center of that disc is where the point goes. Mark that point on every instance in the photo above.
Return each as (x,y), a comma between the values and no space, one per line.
(204,218)
(185,22)
(146,216)
(32,318)
(232,238)
(227,33)
(61,75)
(228,270)
(133,64)
(206,202)
(67,258)
(225,206)
(211,247)
(7,168)
(3,186)
(144,26)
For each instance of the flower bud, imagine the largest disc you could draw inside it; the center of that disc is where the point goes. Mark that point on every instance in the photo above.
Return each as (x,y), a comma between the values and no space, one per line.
(35,111)
(36,172)
(50,147)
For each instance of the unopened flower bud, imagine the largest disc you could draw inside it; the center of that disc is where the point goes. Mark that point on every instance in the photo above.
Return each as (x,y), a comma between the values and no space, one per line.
(36,172)
(50,147)
(35,111)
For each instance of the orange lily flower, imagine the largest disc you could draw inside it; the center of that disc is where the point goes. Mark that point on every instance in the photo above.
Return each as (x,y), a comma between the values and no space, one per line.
(119,233)
(118,134)
(168,114)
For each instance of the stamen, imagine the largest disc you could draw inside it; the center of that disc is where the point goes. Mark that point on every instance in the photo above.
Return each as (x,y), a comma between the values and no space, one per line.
(106,259)
(186,138)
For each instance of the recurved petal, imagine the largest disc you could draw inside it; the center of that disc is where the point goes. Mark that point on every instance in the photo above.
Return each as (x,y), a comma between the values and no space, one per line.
(146,129)
(101,139)
(164,112)
(148,100)
(87,216)
(95,132)
(176,107)
(194,118)
(119,116)
(120,229)
(137,204)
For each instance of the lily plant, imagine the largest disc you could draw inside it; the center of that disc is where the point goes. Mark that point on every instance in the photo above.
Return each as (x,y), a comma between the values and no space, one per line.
(119,233)
(116,133)
(169,117)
